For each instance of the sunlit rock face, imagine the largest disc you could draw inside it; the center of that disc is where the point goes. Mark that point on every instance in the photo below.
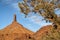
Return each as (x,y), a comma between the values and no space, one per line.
(48,33)
(15,36)
(15,31)
(42,31)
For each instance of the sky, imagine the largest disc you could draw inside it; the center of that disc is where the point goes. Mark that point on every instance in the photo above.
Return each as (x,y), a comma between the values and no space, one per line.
(8,8)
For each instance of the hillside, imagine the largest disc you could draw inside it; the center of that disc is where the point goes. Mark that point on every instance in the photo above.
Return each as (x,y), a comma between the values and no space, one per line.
(15,31)
(47,33)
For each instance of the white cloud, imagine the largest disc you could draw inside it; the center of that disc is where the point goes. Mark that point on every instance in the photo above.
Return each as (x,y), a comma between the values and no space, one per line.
(15,5)
(35,19)
(44,24)
(38,20)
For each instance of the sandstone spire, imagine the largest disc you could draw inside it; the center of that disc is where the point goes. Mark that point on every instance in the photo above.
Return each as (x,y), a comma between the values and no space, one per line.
(15,18)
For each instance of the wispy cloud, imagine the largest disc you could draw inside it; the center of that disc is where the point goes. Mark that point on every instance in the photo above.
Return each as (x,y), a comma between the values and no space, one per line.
(15,6)
(38,20)
(35,19)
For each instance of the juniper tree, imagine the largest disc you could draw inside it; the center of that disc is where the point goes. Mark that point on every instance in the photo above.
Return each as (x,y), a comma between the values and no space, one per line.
(45,8)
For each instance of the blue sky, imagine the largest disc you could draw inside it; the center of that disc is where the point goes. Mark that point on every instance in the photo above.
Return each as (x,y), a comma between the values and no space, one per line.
(8,8)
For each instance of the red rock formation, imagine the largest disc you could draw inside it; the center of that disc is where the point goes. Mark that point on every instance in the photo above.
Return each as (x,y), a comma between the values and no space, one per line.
(15,31)
(42,31)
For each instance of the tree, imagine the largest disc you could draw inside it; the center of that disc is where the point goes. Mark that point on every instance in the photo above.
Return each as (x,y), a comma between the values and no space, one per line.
(45,8)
